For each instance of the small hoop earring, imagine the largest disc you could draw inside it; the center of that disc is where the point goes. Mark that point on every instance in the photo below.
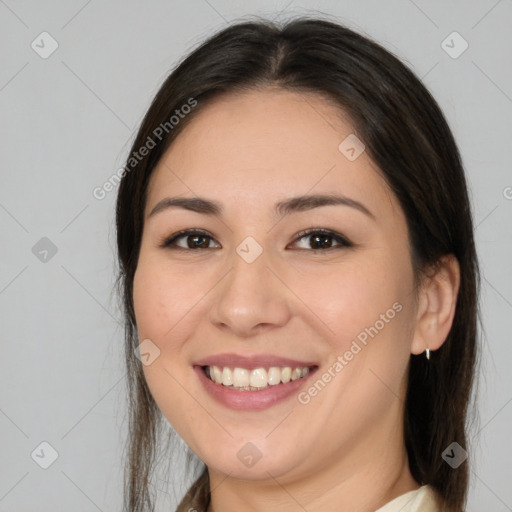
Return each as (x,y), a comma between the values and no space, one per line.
(427,353)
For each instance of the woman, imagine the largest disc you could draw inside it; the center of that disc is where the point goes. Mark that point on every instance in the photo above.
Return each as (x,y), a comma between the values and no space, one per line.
(299,278)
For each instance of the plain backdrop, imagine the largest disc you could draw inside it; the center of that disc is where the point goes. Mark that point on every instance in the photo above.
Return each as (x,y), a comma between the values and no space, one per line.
(75,80)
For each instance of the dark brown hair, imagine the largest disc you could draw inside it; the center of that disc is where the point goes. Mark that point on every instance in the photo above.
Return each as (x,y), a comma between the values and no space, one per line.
(406,135)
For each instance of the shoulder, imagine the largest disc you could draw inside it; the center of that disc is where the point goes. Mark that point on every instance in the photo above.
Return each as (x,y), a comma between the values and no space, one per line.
(419,500)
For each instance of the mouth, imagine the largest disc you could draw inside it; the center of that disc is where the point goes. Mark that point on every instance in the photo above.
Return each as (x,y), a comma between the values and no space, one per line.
(252,383)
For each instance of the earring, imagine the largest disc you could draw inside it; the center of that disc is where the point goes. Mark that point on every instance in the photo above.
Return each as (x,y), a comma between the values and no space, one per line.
(427,353)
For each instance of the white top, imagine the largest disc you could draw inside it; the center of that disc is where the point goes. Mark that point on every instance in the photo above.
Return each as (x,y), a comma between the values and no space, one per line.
(420,500)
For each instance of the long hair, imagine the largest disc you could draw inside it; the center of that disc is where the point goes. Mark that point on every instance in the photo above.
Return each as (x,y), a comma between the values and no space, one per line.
(405,134)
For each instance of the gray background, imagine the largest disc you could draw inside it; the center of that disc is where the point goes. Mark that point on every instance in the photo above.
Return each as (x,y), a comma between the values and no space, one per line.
(66,125)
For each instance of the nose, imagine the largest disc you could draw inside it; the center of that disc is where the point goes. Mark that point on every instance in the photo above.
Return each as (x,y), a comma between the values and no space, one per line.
(251,298)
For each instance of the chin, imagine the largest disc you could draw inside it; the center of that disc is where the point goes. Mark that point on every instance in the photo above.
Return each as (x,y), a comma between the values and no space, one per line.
(250,461)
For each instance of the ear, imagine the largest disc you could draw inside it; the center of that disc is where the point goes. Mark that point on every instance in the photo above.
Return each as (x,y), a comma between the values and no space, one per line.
(437,301)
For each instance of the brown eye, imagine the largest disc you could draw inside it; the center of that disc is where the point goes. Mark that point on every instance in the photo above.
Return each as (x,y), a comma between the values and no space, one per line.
(323,239)
(194,239)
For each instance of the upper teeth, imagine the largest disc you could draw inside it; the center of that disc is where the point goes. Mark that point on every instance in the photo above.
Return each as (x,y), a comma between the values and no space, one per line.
(257,378)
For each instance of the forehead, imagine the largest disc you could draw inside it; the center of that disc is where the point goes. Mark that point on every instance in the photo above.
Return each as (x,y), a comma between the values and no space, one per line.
(267,144)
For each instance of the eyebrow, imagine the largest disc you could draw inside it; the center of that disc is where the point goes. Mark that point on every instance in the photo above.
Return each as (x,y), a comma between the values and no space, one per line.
(282,208)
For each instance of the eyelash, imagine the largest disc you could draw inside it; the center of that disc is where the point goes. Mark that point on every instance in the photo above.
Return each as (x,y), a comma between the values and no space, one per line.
(338,237)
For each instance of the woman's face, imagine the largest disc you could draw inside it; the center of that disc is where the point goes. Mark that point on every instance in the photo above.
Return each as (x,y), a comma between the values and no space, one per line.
(250,291)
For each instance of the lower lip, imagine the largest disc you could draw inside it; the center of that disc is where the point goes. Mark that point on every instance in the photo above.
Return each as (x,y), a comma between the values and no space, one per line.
(251,400)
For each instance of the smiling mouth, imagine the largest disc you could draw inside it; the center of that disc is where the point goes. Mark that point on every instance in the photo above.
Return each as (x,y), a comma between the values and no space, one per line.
(257,379)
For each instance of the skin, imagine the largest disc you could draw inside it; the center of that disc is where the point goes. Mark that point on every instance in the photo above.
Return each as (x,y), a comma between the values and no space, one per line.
(345,447)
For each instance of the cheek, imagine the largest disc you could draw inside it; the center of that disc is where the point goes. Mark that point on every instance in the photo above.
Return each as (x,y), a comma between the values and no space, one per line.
(163,303)
(164,296)
(368,309)
(352,296)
